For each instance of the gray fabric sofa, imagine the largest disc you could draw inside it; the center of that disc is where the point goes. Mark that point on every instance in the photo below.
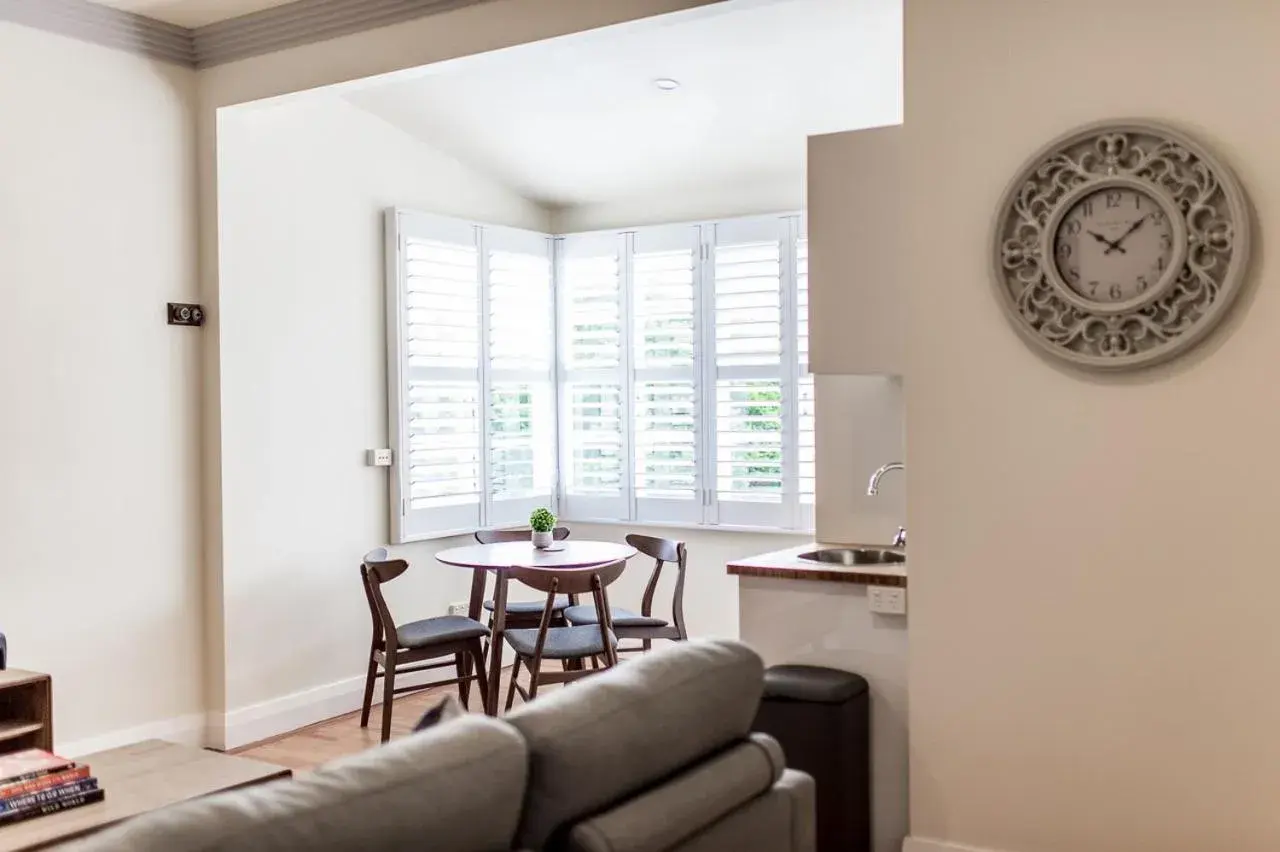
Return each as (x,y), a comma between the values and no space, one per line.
(655,755)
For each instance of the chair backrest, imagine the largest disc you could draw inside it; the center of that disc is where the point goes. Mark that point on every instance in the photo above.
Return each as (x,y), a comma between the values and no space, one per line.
(375,569)
(663,550)
(569,581)
(501,536)
(574,581)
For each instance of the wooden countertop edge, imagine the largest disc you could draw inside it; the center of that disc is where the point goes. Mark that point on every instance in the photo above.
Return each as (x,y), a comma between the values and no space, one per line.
(828,575)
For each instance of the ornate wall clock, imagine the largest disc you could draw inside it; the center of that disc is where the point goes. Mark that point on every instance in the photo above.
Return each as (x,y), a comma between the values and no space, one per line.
(1120,245)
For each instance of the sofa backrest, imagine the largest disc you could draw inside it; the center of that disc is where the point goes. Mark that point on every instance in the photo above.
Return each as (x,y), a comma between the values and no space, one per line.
(454,788)
(596,744)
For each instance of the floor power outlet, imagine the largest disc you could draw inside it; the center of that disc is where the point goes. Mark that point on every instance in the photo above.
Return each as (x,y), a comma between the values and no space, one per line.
(887,600)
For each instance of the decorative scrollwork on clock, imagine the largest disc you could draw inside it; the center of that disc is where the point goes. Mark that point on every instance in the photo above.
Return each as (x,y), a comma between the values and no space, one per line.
(1120,245)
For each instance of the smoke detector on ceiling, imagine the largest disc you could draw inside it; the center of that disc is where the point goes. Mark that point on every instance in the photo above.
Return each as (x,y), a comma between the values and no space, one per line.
(666,84)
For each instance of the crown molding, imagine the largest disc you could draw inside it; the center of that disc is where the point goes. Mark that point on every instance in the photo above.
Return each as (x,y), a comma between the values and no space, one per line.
(304,22)
(257,33)
(90,22)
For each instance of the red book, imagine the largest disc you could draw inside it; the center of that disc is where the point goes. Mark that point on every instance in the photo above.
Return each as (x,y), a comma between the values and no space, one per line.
(31,763)
(13,789)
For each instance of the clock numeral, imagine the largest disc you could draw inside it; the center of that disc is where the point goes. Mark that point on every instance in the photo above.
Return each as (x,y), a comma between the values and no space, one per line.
(1093,288)
(1086,207)
(1074,274)
(1137,201)
(1114,198)
(1064,250)
(1160,264)
(1073,228)
(1166,241)
(1142,284)
(1115,292)
(1158,216)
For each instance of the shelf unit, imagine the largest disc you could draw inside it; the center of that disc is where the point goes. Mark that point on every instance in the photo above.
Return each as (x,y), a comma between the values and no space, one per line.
(26,711)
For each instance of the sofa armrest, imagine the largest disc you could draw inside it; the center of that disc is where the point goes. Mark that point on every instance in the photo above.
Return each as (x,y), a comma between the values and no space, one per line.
(662,817)
(801,790)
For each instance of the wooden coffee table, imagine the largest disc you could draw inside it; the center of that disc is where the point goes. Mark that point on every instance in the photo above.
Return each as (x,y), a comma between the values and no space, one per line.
(138,778)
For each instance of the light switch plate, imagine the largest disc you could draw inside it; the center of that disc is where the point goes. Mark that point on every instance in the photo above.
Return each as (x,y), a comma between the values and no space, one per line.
(378,458)
(887,600)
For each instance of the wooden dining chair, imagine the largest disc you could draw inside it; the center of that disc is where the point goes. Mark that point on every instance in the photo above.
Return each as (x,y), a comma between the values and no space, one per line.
(546,642)
(644,626)
(398,649)
(523,613)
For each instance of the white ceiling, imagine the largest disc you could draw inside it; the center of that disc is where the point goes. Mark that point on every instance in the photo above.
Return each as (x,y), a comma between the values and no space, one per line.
(192,13)
(579,121)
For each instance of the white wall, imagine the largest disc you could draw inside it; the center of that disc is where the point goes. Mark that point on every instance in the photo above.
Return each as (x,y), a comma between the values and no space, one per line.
(436,38)
(99,497)
(302,185)
(1093,583)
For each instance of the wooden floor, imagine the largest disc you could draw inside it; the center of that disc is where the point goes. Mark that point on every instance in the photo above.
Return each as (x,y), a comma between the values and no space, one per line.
(309,747)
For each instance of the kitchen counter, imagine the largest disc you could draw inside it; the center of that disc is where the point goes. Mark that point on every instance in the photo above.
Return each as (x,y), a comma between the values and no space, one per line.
(828,620)
(787,565)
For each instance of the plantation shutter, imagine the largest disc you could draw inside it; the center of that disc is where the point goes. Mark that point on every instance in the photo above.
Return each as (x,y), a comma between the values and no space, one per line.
(520,441)
(434,328)
(594,406)
(664,291)
(746,372)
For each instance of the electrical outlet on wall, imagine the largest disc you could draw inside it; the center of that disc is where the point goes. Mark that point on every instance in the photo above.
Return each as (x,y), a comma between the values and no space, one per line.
(459,608)
(887,600)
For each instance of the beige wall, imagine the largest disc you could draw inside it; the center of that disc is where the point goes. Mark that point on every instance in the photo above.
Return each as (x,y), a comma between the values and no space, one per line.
(1093,634)
(99,499)
(859,427)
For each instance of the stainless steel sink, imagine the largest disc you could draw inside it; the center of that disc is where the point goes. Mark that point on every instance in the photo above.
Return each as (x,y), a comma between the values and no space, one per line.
(854,556)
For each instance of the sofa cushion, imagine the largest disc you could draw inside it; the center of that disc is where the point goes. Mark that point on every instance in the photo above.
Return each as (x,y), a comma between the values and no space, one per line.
(615,734)
(454,788)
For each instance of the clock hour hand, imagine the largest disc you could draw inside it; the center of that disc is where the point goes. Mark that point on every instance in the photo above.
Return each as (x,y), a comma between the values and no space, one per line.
(1110,245)
(1116,245)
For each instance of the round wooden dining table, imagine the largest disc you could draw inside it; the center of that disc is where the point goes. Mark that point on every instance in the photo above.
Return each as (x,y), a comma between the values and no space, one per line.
(497,558)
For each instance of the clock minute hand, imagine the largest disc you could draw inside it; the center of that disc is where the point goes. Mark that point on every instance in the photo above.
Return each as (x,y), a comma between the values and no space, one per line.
(1116,245)
(1110,245)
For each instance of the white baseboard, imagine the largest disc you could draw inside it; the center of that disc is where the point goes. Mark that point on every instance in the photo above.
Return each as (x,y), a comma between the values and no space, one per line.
(187,730)
(266,719)
(922,844)
(245,725)
(277,716)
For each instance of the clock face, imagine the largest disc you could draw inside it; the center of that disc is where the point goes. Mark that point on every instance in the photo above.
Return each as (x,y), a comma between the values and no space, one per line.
(1113,244)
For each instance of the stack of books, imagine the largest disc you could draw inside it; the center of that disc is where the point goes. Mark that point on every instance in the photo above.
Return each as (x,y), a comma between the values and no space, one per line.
(34,783)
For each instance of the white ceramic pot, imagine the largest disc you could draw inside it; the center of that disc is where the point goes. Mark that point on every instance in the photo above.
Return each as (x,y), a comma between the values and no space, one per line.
(542,540)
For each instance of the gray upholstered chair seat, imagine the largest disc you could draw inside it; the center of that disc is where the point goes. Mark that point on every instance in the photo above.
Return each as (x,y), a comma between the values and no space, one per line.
(531,607)
(586,614)
(444,628)
(562,642)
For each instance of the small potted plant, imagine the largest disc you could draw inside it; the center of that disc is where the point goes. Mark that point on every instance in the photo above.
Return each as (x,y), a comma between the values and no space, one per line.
(542,522)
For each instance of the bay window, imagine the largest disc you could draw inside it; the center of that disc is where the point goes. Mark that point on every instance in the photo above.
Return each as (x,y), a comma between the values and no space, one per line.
(648,375)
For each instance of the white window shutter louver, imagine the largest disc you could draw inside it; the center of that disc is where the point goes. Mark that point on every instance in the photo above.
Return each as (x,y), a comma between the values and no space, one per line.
(593,409)
(665,269)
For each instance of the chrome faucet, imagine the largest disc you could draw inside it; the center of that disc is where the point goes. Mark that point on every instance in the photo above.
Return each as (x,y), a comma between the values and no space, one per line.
(873,488)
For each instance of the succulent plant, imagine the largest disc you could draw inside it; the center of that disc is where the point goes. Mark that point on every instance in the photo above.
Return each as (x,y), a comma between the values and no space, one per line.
(542,520)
